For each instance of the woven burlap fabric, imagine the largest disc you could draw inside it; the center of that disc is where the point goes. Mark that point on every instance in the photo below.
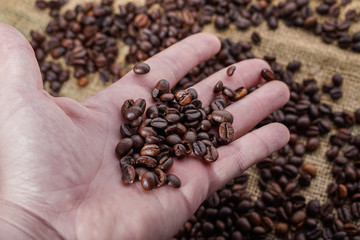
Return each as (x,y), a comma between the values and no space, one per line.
(319,60)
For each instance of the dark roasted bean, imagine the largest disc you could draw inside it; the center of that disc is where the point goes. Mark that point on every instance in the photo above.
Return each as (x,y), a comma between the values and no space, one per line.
(141,68)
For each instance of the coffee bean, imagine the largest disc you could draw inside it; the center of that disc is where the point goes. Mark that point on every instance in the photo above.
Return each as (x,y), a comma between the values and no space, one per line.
(281,228)
(239,93)
(150,150)
(128,174)
(148,181)
(255,37)
(146,161)
(141,68)
(230,71)
(221,116)
(228,92)
(298,217)
(226,132)
(218,87)
(267,74)
(211,154)
(123,146)
(173,181)
(159,123)
(309,168)
(199,148)
(313,208)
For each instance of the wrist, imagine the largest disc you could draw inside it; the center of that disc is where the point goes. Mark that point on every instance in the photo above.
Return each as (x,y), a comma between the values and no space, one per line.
(19,223)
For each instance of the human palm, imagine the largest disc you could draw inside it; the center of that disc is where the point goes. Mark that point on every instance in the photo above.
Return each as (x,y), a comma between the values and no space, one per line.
(59,173)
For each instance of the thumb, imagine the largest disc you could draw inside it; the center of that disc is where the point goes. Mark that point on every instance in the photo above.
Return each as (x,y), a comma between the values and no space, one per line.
(19,70)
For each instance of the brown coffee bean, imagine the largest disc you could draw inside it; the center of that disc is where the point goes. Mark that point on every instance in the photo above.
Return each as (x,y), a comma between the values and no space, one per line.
(150,150)
(173,181)
(230,71)
(148,181)
(221,116)
(309,168)
(239,94)
(146,161)
(183,97)
(211,154)
(123,146)
(267,74)
(281,228)
(128,174)
(218,87)
(158,123)
(199,148)
(226,132)
(298,218)
(166,165)
(141,68)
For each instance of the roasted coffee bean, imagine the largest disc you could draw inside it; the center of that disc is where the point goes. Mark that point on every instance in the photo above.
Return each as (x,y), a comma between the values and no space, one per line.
(166,164)
(312,144)
(239,93)
(337,80)
(255,37)
(211,154)
(158,123)
(221,116)
(148,181)
(298,218)
(150,150)
(141,68)
(313,208)
(218,87)
(228,92)
(126,130)
(133,113)
(309,168)
(128,174)
(230,71)
(183,97)
(226,132)
(173,181)
(124,146)
(146,161)
(199,148)
(267,74)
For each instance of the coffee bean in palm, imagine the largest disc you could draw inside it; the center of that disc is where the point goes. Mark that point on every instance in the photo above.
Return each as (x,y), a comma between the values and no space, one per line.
(228,92)
(159,123)
(218,87)
(211,155)
(267,74)
(173,181)
(128,174)
(226,132)
(221,116)
(239,93)
(199,148)
(124,146)
(230,71)
(141,68)
(148,181)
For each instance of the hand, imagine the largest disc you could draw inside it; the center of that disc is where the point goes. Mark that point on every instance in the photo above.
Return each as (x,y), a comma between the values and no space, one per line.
(60,177)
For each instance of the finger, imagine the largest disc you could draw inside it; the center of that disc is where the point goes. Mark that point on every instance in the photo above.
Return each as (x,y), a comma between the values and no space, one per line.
(199,179)
(18,65)
(246,151)
(171,64)
(253,108)
(247,74)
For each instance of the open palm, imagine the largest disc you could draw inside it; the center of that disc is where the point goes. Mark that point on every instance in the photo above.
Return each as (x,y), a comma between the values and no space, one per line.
(59,173)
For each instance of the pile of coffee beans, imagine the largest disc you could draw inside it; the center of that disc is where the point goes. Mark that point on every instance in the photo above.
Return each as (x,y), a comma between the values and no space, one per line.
(174,127)
(86,37)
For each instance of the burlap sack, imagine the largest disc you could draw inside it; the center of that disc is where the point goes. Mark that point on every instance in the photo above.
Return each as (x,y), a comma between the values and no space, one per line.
(319,60)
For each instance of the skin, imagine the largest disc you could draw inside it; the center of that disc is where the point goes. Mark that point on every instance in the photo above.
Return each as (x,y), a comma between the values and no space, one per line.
(59,174)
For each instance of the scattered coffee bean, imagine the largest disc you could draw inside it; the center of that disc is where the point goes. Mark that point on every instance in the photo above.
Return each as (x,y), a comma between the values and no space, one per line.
(267,74)
(230,71)
(141,68)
